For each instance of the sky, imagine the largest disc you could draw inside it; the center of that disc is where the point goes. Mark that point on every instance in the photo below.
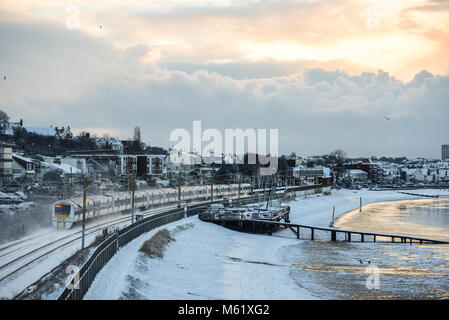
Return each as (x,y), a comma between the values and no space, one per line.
(324,73)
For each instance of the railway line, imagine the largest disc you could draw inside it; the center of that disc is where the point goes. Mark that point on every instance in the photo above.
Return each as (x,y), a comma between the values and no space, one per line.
(20,260)
(23,256)
(24,261)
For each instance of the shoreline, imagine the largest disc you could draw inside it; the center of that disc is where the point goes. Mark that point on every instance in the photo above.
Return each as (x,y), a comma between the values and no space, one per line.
(353,211)
(226,264)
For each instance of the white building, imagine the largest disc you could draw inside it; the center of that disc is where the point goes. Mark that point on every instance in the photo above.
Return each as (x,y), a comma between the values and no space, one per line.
(358,176)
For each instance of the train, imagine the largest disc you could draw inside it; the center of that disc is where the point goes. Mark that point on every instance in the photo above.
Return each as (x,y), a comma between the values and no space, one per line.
(67,212)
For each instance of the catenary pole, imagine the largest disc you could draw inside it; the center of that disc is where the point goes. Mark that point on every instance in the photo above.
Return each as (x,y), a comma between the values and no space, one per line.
(84,214)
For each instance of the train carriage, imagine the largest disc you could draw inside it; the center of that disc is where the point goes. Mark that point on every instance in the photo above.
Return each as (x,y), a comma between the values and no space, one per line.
(67,212)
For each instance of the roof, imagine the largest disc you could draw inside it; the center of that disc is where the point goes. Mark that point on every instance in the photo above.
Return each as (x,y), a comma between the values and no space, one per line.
(45,131)
(65,168)
(22,158)
(357,171)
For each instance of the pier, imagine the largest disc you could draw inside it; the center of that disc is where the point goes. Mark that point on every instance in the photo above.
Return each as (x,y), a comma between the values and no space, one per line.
(305,232)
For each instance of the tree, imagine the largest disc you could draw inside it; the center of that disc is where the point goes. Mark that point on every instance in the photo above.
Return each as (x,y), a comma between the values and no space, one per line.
(3,116)
(137,138)
(338,156)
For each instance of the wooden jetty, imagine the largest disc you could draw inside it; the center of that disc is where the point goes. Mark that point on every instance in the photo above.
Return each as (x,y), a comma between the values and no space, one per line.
(240,222)
(363,236)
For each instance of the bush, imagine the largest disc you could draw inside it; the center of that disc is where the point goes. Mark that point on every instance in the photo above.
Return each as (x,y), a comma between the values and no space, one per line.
(155,246)
(98,240)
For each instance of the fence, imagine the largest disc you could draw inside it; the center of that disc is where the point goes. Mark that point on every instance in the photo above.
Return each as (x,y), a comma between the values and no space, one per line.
(80,283)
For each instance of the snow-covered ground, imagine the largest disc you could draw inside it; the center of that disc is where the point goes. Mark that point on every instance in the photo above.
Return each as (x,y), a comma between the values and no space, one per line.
(210,262)
(205,262)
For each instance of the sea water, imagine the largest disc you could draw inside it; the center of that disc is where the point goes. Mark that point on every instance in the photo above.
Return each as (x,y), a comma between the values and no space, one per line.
(342,270)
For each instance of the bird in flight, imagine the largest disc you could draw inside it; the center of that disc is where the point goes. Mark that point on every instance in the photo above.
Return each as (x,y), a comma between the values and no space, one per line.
(388,118)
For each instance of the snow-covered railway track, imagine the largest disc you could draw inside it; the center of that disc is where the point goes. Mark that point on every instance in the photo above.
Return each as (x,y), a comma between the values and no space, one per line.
(21,261)
(3,249)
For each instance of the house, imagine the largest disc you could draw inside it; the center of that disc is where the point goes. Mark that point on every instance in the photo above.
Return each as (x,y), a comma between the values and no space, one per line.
(58,164)
(150,165)
(109,143)
(308,174)
(7,128)
(60,133)
(391,173)
(127,164)
(22,166)
(358,176)
(415,174)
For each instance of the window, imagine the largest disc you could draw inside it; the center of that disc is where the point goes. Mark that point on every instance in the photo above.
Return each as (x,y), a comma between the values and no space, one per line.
(62,209)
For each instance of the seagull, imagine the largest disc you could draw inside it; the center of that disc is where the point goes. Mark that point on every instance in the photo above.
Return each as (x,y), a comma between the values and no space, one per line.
(4,77)
(388,118)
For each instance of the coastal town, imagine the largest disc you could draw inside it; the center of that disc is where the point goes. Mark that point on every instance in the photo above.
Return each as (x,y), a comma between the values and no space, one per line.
(224,156)
(52,161)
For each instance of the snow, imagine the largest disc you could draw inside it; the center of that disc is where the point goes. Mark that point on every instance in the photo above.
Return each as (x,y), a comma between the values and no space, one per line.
(66,168)
(22,158)
(212,262)
(357,172)
(205,262)
(12,286)
(42,130)
(17,196)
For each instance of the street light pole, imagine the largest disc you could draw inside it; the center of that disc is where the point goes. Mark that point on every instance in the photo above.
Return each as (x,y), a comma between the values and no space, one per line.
(179,189)
(212,185)
(132,201)
(84,214)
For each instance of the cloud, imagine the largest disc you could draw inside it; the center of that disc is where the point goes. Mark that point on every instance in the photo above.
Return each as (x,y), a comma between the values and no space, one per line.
(65,77)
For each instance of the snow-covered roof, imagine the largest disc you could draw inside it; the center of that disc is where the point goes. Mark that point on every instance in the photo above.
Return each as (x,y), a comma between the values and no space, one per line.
(65,168)
(357,171)
(45,131)
(22,158)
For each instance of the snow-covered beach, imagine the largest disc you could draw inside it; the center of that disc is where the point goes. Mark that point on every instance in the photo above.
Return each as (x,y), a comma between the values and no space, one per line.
(210,262)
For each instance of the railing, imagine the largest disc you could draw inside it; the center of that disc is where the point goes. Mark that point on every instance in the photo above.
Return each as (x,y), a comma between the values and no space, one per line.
(81,281)
(365,236)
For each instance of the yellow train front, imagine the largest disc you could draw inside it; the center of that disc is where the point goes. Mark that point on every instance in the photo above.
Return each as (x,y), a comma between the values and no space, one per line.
(63,214)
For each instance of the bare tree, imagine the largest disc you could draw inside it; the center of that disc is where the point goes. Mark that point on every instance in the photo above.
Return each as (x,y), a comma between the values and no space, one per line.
(137,134)
(137,138)
(3,116)
(338,155)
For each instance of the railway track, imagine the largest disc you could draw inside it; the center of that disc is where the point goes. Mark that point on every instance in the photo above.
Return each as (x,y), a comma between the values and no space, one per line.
(16,256)
(35,253)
